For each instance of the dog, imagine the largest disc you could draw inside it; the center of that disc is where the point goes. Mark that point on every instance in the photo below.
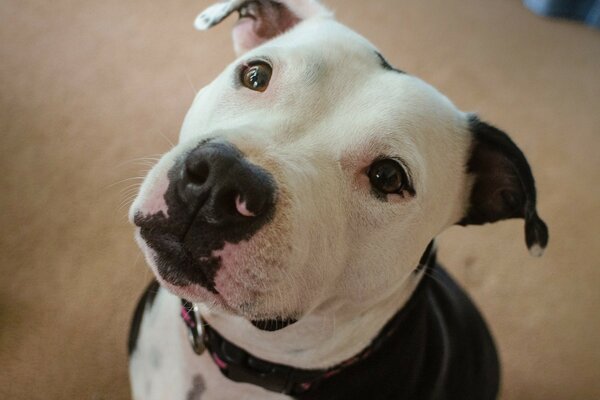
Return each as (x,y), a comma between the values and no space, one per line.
(292,228)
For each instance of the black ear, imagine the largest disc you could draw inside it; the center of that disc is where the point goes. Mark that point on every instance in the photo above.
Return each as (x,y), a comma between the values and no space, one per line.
(503,186)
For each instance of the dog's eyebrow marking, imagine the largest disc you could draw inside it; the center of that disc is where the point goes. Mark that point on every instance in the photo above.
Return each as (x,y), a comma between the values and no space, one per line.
(386,65)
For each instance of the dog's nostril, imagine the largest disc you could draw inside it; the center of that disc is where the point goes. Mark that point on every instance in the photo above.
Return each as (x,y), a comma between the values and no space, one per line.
(242,207)
(197,171)
(221,187)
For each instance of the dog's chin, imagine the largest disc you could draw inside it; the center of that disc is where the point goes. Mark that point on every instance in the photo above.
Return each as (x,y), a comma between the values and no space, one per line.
(233,299)
(218,303)
(195,293)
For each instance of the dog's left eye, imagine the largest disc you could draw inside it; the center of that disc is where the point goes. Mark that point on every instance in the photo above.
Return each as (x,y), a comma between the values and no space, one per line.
(256,76)
(388,176)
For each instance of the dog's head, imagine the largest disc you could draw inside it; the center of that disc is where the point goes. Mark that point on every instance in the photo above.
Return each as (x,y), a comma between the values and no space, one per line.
(311,172)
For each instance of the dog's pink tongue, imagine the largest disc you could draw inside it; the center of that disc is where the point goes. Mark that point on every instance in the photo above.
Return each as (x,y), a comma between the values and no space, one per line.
(242,208)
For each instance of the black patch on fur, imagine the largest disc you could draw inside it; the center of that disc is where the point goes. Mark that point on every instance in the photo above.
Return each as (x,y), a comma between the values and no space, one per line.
(442,350)
(145,302)
(428,259)
(184,240)
(504,186)
(386,65)
(198,387)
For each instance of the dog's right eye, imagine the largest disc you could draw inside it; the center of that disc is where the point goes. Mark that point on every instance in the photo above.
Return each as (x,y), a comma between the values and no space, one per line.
(256,76)
(388,176)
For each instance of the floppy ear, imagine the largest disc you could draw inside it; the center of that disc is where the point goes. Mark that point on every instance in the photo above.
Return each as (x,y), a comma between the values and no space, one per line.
(260,20)
(503,186)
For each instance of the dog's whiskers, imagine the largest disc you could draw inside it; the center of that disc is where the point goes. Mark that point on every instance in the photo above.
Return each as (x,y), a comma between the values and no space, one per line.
(134,178)
(135,184)
(131,189)
(130,195)
(150,158)
(161,133)
(126,203)
(189,79)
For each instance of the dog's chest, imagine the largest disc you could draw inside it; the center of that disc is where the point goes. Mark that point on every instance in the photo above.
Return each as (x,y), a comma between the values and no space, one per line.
(164,366)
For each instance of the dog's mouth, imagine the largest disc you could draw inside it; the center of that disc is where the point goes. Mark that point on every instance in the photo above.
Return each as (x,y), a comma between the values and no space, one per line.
(202,251)
(183,273)
(177,264)
(272,325)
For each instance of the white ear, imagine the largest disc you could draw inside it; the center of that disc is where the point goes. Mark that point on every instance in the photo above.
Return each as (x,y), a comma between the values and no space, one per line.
(260,20)
(216,13)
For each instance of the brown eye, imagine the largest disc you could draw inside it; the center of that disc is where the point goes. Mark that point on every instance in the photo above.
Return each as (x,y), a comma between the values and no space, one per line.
(256,76)
(388,176)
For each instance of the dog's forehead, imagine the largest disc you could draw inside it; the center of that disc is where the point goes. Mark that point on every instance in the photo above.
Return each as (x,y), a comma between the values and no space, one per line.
(322,52)
(330,86)
(324,36)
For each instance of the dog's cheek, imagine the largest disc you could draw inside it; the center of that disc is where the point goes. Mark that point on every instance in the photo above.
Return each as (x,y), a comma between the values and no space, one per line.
(244,268)
(255,266)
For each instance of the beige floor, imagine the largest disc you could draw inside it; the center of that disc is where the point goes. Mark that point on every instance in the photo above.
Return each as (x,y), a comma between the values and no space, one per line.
(88,86)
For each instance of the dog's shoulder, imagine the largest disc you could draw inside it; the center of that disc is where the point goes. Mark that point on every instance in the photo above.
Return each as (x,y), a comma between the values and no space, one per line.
(441,349)
(465,349)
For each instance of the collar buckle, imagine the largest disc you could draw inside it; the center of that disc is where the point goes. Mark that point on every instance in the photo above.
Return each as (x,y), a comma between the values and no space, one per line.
(195,330)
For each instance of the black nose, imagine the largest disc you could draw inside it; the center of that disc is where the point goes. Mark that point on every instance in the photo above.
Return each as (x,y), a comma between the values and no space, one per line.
(223,188)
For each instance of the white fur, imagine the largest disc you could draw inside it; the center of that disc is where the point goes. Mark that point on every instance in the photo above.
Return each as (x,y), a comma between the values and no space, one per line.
(164,366)
(214,14)
(536,250)
(334,255)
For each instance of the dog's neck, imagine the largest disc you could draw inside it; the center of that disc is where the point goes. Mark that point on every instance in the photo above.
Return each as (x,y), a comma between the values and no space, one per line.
(323,338)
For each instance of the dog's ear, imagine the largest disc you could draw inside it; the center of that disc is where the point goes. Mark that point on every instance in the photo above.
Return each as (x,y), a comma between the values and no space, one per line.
(260,20)
(502,185)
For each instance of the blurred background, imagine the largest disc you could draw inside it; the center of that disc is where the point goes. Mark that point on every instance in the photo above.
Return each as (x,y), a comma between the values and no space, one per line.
(92,91)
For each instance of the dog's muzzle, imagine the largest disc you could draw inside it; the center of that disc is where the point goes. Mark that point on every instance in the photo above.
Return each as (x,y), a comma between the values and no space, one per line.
(215,196)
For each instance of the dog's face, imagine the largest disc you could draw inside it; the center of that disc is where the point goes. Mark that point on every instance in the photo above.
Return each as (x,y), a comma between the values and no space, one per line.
(311,174)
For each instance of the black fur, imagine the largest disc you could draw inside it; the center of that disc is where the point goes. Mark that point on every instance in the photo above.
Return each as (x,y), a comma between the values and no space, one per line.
(272,325)
(198,387)
(386,65)
(442,350)
(504,186)
(184,240)
(145,302)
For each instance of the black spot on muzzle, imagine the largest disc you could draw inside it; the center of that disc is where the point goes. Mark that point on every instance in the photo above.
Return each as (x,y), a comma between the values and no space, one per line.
(215,195)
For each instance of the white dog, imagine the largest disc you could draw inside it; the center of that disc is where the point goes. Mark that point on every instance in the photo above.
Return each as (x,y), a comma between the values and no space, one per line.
(292,226)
